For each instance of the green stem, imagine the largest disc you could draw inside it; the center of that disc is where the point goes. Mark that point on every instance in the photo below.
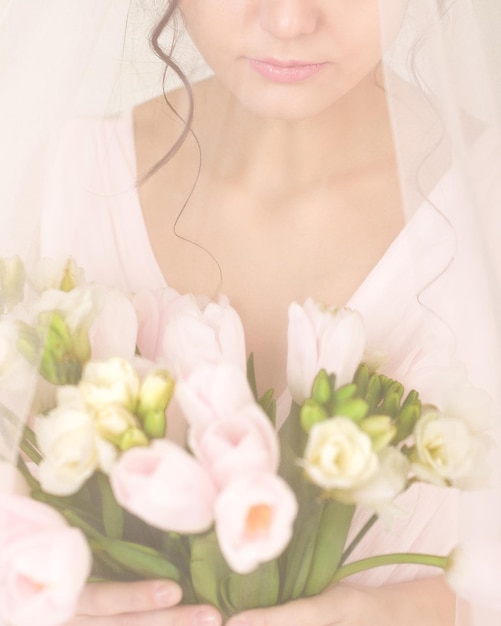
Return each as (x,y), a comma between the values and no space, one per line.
(390,559)
(75,520)
(31,452)
(367,526)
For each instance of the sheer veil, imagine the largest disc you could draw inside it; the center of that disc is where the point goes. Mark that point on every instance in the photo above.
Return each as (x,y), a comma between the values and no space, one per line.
(60,59)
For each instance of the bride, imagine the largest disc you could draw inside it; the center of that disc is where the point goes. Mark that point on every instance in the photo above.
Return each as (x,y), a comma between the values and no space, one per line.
(328,155)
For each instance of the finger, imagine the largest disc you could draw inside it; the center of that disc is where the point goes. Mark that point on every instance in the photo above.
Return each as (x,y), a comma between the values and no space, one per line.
(326,609)
(176,616)
(113,598)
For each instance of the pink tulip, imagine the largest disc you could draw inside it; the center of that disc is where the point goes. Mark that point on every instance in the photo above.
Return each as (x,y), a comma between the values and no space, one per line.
(155,309)
(113,332)
(43,564)
(254,516)
(475,572)
(164,486)
(242,443)
(213,391)
(198,336)
(319,338)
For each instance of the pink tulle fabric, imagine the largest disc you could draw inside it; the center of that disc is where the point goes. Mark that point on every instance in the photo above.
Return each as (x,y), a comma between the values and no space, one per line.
(405,300)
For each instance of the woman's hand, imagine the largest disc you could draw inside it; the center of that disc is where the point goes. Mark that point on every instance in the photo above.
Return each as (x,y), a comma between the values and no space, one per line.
(427,602)
(145,603)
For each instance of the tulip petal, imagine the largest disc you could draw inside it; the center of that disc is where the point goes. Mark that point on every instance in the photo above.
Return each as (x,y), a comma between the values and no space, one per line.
(302,353)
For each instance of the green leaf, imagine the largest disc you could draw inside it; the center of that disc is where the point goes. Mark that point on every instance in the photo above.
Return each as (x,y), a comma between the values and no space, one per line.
(268,404)
(140,560)
(329,545)
(297,559)
(208,568)
(291,434)
(251,376)
(259,588)
(112,512)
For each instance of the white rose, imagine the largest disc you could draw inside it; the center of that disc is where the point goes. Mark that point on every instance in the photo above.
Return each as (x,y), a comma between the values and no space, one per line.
(71,450)
(112,420)
(445,450)
(321,338)
(109,382)
(339,455)
(383,487)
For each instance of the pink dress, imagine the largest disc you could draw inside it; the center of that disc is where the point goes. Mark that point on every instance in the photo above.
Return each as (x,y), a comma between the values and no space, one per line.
(98,220)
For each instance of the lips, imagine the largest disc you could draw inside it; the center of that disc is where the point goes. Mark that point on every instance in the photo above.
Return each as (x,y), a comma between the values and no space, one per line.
(285,71)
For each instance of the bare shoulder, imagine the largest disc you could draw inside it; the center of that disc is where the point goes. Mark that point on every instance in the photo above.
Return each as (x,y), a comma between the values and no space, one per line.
(159,123)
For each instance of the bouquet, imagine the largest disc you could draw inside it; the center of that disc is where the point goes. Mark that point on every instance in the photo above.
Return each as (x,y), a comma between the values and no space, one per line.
(239,513)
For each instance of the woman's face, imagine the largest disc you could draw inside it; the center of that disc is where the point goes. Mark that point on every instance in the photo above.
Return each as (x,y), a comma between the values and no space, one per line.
(289,59)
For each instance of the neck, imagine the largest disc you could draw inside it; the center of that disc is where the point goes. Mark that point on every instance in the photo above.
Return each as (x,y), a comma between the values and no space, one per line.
(289,156)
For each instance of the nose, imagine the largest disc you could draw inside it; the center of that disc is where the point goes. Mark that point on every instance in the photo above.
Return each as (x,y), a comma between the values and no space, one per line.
(288,19)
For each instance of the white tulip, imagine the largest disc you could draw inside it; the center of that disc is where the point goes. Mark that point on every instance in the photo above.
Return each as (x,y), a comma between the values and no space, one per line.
(12,282)
(62,273)
(321,338)
(15,370)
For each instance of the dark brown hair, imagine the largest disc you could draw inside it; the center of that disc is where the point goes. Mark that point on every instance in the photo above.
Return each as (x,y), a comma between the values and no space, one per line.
(170,65)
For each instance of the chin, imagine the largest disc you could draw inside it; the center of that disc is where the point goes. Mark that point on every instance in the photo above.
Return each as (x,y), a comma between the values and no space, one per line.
(287,106)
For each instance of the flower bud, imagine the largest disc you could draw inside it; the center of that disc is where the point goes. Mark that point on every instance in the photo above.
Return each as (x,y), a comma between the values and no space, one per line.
(342,396)
(392,399)
(407,419)
(356,409)
(154,424)
(71,276)
(380,429)
(361,379)
(321,391)
(374,392)
(132,438)
(112,421)
(311,413)
(155,393)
